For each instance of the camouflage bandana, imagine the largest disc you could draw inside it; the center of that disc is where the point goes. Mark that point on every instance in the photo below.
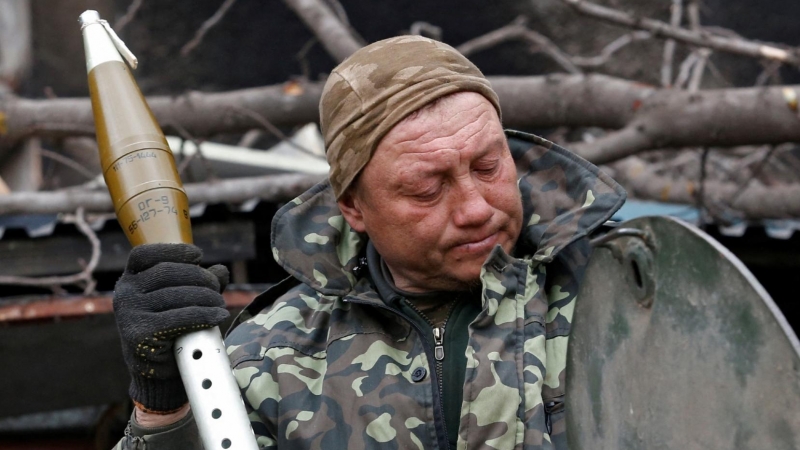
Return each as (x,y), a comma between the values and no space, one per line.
(381,84)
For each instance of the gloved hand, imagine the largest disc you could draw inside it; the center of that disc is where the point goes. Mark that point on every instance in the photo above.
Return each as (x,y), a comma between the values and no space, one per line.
(162,295)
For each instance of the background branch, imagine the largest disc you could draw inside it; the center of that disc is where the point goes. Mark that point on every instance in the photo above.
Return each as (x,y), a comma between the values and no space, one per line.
(518,30)
(703,54)
(74,165)
(609,50)
(701,39)
(650,118)
(723,117)
(676,12)
(202,114)
(275,131)
(426,29)
(273,188)
(757,201)
(334,35)
(207,25)
(123,21)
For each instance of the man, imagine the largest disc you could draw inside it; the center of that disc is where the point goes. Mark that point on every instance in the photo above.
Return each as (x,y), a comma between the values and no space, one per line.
(431,290)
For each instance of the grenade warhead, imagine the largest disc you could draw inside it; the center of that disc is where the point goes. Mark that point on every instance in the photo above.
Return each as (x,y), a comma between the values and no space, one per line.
(138,166)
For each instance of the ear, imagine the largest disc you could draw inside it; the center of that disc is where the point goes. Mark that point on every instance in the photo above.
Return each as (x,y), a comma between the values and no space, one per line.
(352,210)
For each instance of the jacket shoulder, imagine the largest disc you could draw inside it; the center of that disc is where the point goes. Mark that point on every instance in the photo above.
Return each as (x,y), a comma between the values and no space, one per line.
(298,318)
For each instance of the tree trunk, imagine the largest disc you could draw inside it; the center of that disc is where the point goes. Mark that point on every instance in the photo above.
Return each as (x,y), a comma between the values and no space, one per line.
(272,188)
(649,118)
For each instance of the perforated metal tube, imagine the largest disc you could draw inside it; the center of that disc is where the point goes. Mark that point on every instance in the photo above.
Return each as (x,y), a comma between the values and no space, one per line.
(213,393)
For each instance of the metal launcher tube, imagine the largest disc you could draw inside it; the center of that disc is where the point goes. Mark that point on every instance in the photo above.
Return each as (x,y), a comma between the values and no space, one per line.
(152,207)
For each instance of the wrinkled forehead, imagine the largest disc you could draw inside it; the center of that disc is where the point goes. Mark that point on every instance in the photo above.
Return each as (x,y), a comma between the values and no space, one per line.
(456,129)
(454,113)
(453,120)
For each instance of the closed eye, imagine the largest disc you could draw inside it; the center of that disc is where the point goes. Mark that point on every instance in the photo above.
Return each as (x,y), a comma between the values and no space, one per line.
(428,196)
(487,169)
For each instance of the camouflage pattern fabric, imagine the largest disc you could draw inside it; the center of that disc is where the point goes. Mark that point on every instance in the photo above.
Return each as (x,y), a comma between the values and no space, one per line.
(330,366)
(378,86)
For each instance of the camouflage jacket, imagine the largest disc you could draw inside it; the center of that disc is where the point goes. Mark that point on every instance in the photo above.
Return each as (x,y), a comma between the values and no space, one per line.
(329,365)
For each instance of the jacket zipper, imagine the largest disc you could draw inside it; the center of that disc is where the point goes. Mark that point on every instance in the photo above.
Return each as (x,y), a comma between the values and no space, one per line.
(441,427)
(438,339)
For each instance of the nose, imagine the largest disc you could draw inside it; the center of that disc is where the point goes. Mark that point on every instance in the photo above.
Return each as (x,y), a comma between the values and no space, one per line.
(472,208)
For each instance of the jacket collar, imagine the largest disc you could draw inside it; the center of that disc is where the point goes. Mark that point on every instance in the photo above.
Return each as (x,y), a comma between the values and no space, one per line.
(564,197)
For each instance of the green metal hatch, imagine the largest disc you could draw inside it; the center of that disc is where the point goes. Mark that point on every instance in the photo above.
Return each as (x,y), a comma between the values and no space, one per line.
(675,345)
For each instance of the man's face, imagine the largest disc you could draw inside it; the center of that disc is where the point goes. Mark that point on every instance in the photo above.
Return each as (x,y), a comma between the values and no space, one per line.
(439,193)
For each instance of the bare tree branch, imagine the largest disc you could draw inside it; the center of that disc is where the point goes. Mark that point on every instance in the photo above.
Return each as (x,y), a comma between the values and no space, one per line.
(609,50)
(250,138)
(72,164)
(718,74)
(754,174)
(202,114)
(510,32)
(187,136)
(207,25)
(652,118)
(676,13)
(770,69)
(699,69)
(702,38)
(723,117)
(703,54)
(693,11)
(301,57)
(341,14)
(267,125)
(426,29)
(339,10)
(273,188)
(685,71)
(756,201)
(123,21)
(517,30)
(184,164)
(331,32)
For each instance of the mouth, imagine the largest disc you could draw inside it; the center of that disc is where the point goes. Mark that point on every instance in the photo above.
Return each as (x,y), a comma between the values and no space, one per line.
(480,245)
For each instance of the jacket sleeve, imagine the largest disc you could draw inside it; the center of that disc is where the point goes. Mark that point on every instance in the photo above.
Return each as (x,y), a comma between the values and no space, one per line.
(181,435)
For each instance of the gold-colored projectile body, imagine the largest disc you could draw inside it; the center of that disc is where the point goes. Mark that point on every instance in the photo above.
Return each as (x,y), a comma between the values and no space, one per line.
(138,165)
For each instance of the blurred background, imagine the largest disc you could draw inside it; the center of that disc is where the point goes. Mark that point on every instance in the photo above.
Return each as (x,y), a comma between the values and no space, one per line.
(690,104)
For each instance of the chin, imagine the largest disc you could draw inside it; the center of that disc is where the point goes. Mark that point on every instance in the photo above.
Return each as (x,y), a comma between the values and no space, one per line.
(470,279)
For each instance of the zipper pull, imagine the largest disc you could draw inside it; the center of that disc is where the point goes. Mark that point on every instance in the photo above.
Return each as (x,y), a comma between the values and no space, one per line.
(438,338)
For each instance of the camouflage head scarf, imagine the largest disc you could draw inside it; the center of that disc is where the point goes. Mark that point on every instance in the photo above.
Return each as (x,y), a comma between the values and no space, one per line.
(381,84)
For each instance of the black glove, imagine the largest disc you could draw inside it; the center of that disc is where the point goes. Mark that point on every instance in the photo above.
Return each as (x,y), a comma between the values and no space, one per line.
(162,295)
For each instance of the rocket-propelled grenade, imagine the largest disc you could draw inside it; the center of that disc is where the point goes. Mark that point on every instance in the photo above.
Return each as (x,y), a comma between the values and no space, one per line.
(138,166)
(152,207)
